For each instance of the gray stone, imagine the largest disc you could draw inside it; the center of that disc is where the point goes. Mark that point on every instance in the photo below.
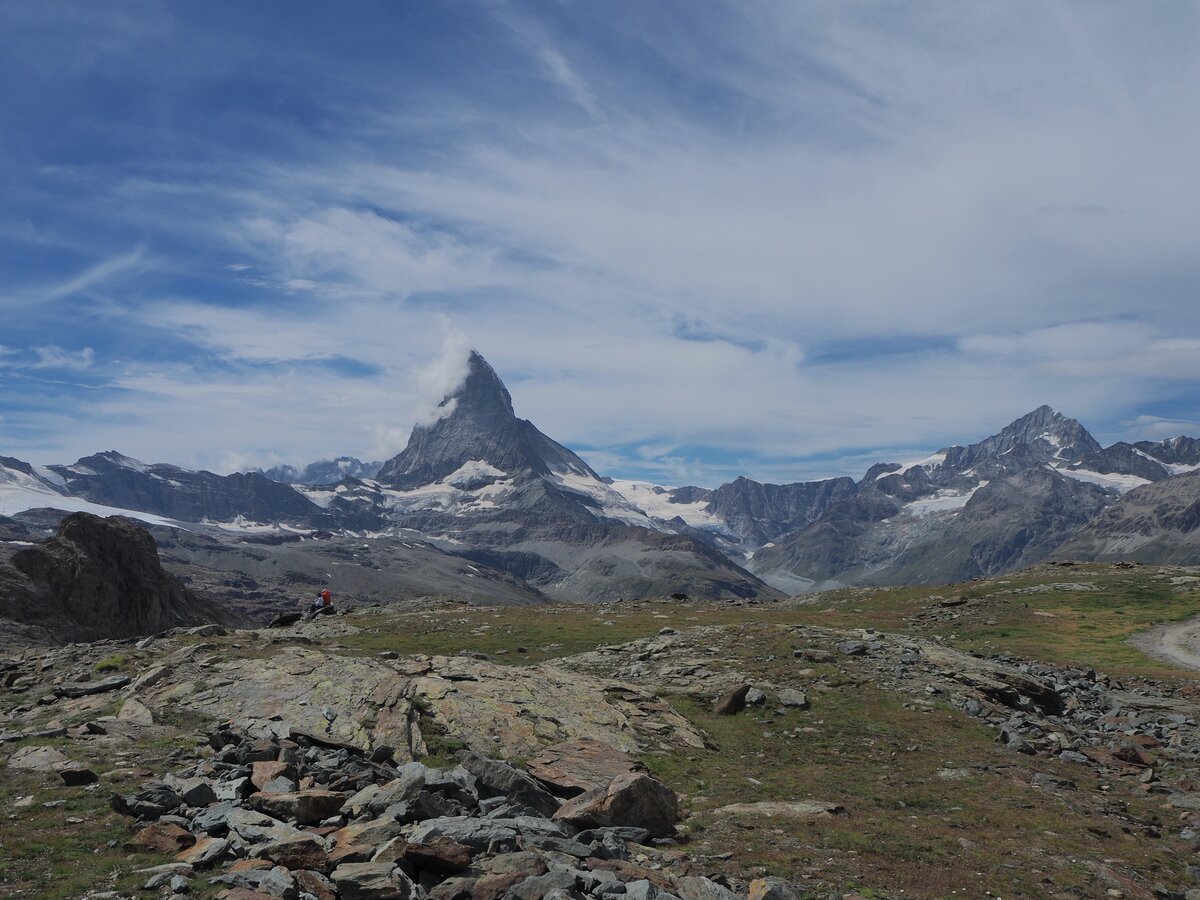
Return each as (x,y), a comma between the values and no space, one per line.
(1042,780)
(495,778)
(558,878)
(277,881)
(475,833)
(792,697)
(697,887)
(153,800)
(37,759)
(192,791)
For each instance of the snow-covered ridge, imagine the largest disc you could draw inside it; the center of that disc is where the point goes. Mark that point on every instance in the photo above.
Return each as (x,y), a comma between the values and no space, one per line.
(655,501)
(612,503)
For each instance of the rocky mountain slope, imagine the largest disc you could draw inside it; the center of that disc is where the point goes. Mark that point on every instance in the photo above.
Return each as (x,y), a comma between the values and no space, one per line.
(98,578)
(1156,523)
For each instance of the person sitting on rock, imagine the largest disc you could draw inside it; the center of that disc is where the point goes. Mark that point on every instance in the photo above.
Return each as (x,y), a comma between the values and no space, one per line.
(323,605)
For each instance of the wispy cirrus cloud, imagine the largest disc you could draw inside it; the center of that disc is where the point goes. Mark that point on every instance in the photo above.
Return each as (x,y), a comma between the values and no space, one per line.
(695,242)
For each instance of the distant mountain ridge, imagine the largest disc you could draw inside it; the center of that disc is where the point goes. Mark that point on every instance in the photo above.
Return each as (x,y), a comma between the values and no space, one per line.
(325,471)
(482,483)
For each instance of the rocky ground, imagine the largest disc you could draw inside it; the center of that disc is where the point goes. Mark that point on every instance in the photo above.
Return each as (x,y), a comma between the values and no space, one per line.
(679,749)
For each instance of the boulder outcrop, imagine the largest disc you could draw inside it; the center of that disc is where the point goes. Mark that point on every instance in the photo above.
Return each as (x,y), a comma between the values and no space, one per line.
(97,579)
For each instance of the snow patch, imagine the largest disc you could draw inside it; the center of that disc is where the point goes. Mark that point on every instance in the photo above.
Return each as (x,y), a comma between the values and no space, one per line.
(945,500)
(1114,480)
(655,500)
(613,504)
(472,473)
(929,462)
(17,498)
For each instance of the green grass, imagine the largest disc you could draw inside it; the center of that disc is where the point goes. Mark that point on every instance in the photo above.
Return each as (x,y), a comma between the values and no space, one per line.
(1082,628)
(880,758)
(43,855)
(529,635)
(115,663)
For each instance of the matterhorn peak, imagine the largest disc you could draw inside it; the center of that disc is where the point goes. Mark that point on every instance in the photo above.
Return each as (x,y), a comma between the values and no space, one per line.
(478,425)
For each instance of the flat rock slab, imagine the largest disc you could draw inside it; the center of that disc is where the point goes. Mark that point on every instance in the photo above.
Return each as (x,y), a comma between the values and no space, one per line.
(774,809)
(135,712)
(573,767)
(37,759)
(93,687)
(497,710)
(161,837)
(205,852)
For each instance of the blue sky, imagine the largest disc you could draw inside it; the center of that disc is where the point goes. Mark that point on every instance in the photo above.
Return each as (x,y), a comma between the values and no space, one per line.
(696,239)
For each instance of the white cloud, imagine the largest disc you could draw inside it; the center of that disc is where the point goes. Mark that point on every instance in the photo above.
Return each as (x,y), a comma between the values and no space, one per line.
(1009,193)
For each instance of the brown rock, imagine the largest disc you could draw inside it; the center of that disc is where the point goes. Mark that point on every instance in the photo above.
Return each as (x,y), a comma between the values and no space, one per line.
(633,799)
(453,889)
(266,771)
(573,767)
(303,851)
(302,807)
(439,856)
(732,702)
(204,852)
(251,865)
(371,833)
(316,884)
(161,837)
(493,887)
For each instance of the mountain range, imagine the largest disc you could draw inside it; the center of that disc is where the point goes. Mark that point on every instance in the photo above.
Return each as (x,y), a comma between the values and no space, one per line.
(483,504)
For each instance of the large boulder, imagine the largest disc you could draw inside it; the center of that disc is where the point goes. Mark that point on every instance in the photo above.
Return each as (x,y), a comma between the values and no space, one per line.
(634,799)
(98,578)
(573,767)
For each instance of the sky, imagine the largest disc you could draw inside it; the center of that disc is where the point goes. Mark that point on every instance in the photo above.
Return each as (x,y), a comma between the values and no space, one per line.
(696,239)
